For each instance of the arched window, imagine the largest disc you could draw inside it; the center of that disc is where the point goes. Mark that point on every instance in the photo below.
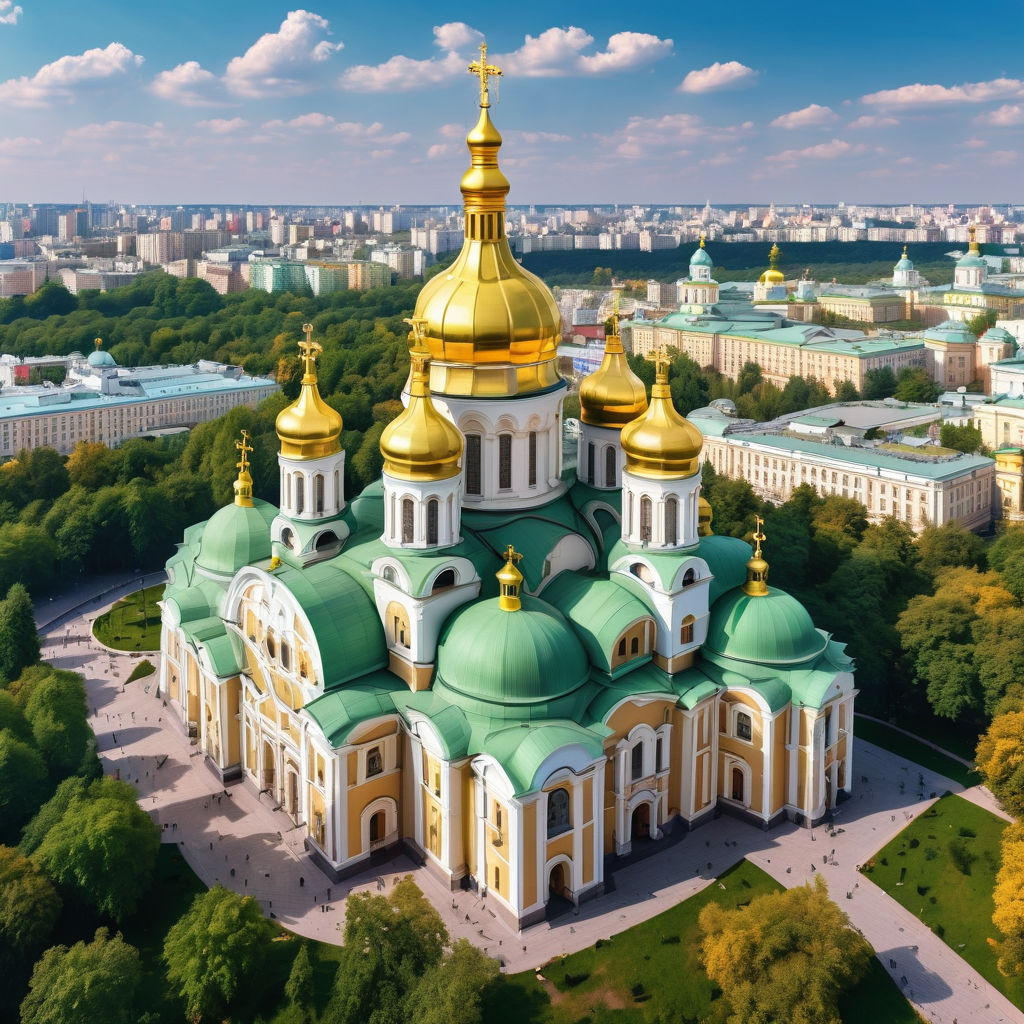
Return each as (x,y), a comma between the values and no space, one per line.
(622,647)
(686,630)
(326,540)
(504,462)
(645,519)
(634,645)
(590,463)
(389,574)
(689,577)
(558,812)
(609,466)
(300,494)
(473,475)
(286,656)
(318,493)
(374,762)
(443,581)
(432,521)
(671,519)
(407,520)
(637,762)
(659,755)
(271,645)
(744,729)
(532,458)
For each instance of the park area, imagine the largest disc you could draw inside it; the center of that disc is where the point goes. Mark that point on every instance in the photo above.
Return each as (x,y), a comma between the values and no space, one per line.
(652,972)
(133,624)
(942,869)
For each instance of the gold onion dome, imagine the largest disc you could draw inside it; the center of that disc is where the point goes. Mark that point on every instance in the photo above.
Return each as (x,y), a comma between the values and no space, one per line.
(757,567)
(496,323)
(420,443)
(704,517)
(243,485)
(661,443)
(309,428)
(613,394)
(773,275)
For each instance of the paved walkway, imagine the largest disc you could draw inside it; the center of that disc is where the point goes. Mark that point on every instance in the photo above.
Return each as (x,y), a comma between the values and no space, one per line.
(239,839)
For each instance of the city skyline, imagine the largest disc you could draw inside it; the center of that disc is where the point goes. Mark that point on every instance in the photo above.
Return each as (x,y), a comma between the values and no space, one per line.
(268,103)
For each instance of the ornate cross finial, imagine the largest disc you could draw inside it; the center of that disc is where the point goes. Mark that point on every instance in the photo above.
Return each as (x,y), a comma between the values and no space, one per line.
(483,71)
(417,332)
(244,448)
(702,236)
(310,350)
(759,535)
(98,343)
(512,556)
(661,361)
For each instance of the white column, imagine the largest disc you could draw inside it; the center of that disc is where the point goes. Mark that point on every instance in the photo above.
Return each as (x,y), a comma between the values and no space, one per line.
(577,838)
(515,856)
(480,838)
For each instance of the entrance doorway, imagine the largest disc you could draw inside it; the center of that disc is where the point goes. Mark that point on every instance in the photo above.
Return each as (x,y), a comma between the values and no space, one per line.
(376,828)
(268,767)
(737,785)
(641,825)
(559,893)
(556,881)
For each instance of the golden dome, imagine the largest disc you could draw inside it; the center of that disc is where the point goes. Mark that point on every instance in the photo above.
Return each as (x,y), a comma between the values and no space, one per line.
(510,579)
(757,567)
(773,275)
(613,394)
(309,428)
(243,485)
(704,517)
(420,443)
(492,327)
(662,443)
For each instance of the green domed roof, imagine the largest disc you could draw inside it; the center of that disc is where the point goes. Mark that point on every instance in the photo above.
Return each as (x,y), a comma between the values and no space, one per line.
(513,658)
(999,334)
(771,629)
(100,358)
(970,260)
(235,536)
(701,257)
(904,264)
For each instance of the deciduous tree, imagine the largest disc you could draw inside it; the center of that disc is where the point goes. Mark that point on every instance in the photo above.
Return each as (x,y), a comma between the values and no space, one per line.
(451,993)
(29,907)
(19,641)
(23,784)
(1008,897)
(1000,760)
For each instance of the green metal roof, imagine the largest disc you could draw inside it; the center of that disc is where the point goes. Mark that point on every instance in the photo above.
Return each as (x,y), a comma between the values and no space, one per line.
(225,654)
(510,659)
(339,711)
(771,629)
(343,619)
(600,610)
(236,535)
(522,751)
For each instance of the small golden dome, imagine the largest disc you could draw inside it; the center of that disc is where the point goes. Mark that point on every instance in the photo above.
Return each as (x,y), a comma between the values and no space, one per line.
(613,394)
(496,322)
(704,517)
(510,579)
(243,485)
(309,428)
(757,567)
(773,275)
(661,443)
(420,443)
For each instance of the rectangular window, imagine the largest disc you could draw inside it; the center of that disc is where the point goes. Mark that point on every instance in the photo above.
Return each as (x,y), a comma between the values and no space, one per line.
(473,464)
(533,458)
(504,462)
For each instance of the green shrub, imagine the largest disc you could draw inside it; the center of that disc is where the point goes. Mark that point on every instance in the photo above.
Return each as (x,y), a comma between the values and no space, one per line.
(961,857)
(144,668)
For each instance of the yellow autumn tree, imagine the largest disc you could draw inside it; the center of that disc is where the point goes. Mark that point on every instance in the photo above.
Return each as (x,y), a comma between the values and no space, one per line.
(785,958)
(1000,760)
(1008,897)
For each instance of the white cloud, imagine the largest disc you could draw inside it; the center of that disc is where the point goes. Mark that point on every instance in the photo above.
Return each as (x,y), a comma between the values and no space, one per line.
(279,63)
(626,50)
(717,76)
(55,80)
(646,135)
(871,121)
(918,95)
(451,131)
(814,116)
(222,126)
(456,35)
(188,84)
(400,73)
(1003,158)
(20,146)
(439,149)
(324,124)
(9,12)
(535,137)
(1007,116)
(823,151)
(122,134)
(973,144)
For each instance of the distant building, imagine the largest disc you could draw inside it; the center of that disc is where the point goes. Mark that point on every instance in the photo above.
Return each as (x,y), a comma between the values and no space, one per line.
(866,305)
(973,293)
(101,401)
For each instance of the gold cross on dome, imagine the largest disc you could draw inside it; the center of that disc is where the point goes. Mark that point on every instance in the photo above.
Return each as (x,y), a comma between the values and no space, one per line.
(661,361)
(759,534)
(512,556)
(483,71)
(310,349)
(417,332)
(244,447)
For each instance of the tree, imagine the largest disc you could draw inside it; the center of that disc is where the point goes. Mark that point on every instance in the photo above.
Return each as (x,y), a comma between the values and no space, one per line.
(1008,897)
(104,847)
(948,546)
(787,957)
(216,949)
(914,385)
(28,555)
(1000,760)
(29,908)
(57,712)
(846,391)
(84,984)
(19,641)
(92,465)
(688,385)
(748,379)
(299,986)
(452,992)
(23,784)
(981,322)
(962,439)
(879,382)
(51,812)
(1006,556)
(13,718)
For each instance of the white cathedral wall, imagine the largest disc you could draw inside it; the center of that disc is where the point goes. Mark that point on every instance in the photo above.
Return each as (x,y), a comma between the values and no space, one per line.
(299,486)
(604,439)
(447,493)
(686,491)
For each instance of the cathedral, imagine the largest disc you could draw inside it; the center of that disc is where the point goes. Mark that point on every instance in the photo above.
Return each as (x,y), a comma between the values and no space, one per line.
(517,672)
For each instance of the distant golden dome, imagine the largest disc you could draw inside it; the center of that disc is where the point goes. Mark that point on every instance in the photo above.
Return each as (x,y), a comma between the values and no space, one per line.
(662,443)
(492,327)
(773,275)
(309,428)
(704,517)
(420,443)
(613,394)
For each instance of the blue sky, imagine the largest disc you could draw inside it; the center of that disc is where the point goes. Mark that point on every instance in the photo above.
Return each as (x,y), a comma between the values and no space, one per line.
(259,102)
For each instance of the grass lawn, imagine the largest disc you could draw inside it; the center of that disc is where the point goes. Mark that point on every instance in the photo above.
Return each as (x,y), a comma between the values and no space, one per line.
(651,972)
(906,746)
(954,903)
(126,629)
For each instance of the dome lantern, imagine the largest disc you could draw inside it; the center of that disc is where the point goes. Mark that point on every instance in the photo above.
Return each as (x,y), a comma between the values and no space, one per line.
(510,580)
(243,485)
(757,567)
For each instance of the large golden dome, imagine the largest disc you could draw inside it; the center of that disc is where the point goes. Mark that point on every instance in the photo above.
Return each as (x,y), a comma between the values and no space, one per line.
(309,428)
(773,275)
(613,394)
(420,443)
(662,443)
(492,327)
